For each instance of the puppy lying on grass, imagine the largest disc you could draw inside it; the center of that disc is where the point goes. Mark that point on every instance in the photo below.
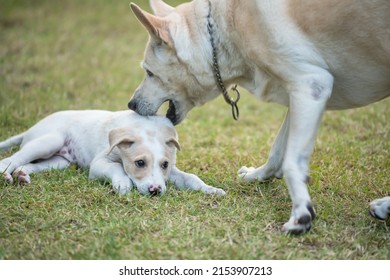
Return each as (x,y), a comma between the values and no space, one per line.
(128,149)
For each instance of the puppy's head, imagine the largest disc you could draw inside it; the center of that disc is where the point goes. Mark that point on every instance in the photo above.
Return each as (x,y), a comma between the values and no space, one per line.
(147,155)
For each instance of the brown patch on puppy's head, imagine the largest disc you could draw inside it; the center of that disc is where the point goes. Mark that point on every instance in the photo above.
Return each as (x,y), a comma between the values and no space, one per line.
(121,136)
(171,138)
(147,155)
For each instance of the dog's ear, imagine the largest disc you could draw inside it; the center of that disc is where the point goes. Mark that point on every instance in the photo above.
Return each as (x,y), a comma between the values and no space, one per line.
(172,139)
(160,8)
(120,135)
(156,26)
(174,142)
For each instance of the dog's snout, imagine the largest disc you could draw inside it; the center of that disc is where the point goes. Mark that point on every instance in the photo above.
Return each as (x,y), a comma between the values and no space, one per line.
(155,189)
(132,105)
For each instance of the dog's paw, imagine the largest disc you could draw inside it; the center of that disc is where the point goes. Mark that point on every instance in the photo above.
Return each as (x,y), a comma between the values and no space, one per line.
(122,185)
(213,190)
(380,208)
(4,172)
(300,220)
(7,177)
(251,174)
(21,176)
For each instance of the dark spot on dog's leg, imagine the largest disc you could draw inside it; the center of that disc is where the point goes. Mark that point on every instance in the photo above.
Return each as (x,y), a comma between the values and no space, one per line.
(311,210)
(317,90)
(373,214)
(304,220)
(294,232)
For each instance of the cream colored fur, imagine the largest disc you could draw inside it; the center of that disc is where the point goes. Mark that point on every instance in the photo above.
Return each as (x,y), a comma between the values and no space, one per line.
(309,55)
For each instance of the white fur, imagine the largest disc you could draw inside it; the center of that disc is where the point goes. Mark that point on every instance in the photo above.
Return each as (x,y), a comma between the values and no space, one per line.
(82,138)
(380,208)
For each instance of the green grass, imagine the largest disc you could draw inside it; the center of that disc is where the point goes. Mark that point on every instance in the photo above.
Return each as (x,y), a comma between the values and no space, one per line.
(57,55)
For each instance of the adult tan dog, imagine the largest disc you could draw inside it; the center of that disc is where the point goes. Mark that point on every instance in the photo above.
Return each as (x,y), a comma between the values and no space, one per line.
(309,55)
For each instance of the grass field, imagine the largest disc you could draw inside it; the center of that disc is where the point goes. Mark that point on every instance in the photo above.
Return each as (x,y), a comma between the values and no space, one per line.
(57,55)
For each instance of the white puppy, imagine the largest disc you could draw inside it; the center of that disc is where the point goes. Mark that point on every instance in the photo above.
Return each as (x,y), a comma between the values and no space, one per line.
(120,146)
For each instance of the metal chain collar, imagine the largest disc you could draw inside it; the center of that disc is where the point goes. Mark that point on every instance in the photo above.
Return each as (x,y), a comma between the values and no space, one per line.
(217,73)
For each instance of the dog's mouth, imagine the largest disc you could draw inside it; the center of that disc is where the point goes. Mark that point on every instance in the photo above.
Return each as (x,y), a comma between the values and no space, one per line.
(171,113)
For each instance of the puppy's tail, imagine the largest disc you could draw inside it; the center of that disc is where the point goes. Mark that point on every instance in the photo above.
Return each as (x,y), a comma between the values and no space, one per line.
(10,142)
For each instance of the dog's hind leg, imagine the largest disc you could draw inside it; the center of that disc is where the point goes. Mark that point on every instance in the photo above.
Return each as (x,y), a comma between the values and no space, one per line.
(308,98)
(22,173)
(39,148)
(275,160)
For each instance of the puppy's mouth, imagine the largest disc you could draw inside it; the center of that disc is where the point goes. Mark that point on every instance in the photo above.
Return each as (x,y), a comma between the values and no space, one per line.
(172,113)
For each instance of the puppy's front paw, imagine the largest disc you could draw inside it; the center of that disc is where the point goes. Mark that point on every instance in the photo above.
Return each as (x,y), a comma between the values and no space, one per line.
(213,190)
(122,185)
(300,220)
(380,208)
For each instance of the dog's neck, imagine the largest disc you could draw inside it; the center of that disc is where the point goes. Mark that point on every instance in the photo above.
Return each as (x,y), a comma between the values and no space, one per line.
(233,102)
(230,63)
(200,60)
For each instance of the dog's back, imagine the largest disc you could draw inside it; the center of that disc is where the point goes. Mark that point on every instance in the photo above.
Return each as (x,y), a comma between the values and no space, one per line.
(353,37)
(350,39)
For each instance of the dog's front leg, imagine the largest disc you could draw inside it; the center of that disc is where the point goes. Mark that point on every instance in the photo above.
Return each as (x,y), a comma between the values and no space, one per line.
(104,168)
(380,208)
(308,98)
(273,166)
(183,180)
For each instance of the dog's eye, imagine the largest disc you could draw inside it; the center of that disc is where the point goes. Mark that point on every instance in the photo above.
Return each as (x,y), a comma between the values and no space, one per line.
(164,165)
(140,163)
(150,74)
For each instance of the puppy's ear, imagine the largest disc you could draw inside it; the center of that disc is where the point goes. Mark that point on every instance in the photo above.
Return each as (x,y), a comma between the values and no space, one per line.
(172,139)
(160,8)
(156,26)
(174,142)
(120,135)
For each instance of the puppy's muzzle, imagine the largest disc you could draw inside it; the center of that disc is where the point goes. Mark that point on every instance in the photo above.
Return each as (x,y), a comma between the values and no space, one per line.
(155,190)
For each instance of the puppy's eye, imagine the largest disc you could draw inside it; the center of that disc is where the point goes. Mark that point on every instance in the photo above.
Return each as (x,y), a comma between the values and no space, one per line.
(164,165)
(140,163)
(150,74)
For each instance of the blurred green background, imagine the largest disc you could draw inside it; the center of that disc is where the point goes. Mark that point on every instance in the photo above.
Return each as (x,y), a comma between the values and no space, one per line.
(58,55)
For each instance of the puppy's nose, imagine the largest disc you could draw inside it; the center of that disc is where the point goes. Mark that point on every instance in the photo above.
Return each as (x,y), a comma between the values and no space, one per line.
(132,105)
(155,189)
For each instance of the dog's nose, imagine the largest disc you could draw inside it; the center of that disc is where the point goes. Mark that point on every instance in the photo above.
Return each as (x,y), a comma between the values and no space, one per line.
(155,189)
(132,105)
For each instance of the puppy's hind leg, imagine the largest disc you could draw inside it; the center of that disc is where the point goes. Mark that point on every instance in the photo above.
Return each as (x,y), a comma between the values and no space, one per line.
(39,148)
(22,173)
(275,160)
